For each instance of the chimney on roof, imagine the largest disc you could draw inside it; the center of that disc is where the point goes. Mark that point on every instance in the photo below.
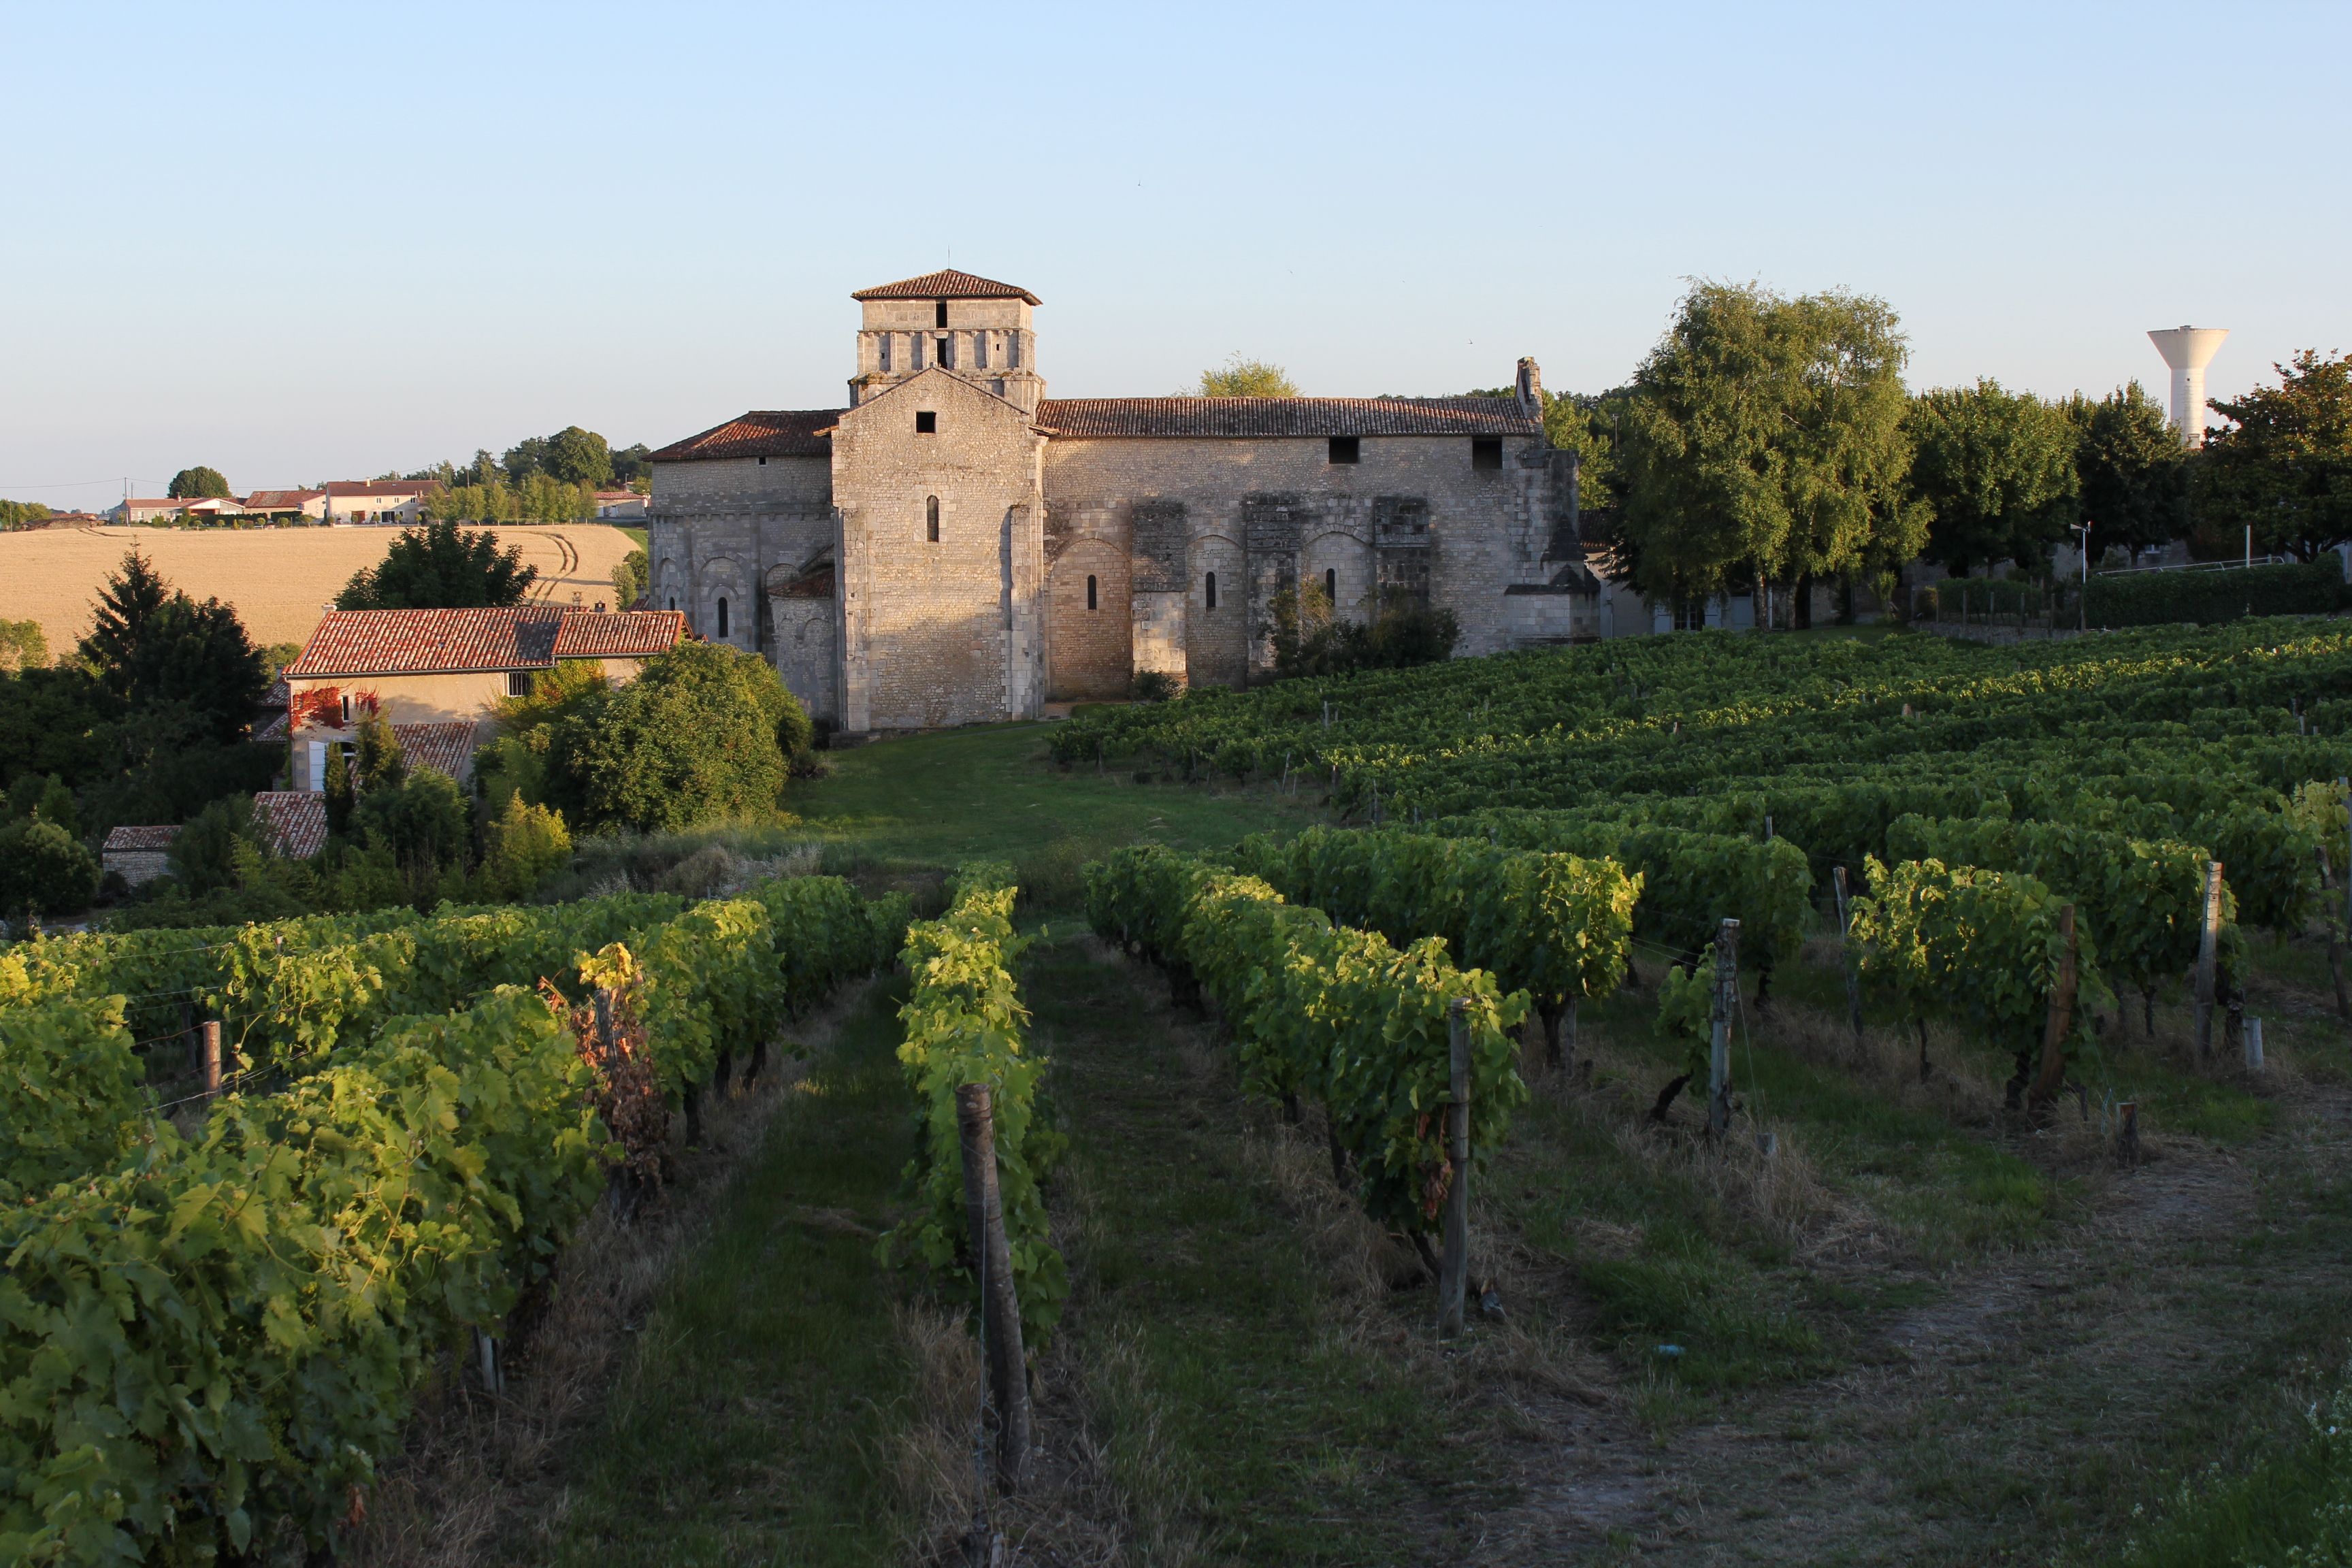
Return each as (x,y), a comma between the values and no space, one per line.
(1530,388)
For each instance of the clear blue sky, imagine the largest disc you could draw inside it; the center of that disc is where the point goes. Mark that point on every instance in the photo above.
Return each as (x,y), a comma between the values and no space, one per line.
(325,241)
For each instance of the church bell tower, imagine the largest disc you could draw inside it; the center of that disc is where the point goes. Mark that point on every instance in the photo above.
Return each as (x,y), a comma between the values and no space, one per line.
(973,328)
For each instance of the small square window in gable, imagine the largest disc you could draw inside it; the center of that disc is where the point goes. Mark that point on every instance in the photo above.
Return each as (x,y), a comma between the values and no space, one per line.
(1486,453)
(1346,449)
(928,423)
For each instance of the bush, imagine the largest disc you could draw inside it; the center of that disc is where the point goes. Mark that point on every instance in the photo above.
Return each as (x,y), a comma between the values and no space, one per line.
(422,825)
(1154,686)
(45,869)
(1308,639)
(205,855)
(2164,598)
(526,842)
(704,733)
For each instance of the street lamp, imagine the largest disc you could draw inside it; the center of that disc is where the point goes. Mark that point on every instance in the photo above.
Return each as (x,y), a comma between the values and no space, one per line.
(2082,604)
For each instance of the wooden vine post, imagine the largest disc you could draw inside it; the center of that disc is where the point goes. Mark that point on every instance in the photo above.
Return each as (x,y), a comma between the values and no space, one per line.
(1852,970)
(212,1056)
(1719,1054)
(2208,942)
(2046,1083)
(1454,1269)
(1000,1309)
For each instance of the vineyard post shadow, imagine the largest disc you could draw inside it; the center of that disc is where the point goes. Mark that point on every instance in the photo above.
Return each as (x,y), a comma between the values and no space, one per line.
(1718,1053)
(999,1309)
(1454,1273)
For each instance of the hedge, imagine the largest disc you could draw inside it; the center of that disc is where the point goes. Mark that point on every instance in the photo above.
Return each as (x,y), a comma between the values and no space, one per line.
(2165,598)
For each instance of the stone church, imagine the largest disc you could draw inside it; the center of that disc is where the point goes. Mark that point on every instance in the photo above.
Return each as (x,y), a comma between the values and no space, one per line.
(954,546)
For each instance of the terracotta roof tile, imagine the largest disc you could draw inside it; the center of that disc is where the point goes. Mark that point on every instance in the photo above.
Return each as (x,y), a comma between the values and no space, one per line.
(619,633)
(137,838)
(1285,417)
(295,821)
(947,285)
(445,748)
(417,642)
(280,500)
(762,433)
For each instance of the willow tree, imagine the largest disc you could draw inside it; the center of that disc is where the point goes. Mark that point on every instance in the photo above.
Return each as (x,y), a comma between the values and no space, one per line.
(1765,443)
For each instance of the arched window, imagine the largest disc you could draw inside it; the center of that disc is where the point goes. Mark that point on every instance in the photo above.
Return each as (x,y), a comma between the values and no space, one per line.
(931,519)
(673,601)
(722,618)
(1331,583)
(1212,590)
(1090,591)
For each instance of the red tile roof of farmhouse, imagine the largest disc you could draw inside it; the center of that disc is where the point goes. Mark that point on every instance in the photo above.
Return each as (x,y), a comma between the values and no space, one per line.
(1278,416)
(445,748)
(947,285)
(285,500)
(380,488)
(136,839)
(295,820)
(762,433)
(435,642)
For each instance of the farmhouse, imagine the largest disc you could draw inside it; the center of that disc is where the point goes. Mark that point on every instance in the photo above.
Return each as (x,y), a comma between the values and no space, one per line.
(954,546)
(438,675)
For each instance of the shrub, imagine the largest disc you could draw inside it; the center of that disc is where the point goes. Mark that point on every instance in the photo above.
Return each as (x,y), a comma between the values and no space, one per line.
(203,856)
(526,842)
(704,733)
(2162,598)
(45,869)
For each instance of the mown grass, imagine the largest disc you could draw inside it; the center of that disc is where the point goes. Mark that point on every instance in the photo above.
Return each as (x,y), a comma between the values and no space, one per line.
(989,793)
(753,1423)
(1288,1420)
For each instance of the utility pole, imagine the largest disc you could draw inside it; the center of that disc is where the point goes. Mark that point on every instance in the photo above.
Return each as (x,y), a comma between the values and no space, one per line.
(2082,604)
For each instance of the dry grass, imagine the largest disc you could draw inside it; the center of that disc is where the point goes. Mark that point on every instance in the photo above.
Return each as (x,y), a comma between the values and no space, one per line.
(278,578)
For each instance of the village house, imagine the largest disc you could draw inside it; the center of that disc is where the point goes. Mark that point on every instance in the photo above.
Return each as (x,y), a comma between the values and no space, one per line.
(954,546)
(620,506)
(169,508)
(437,675)
(288,503)
(376,500)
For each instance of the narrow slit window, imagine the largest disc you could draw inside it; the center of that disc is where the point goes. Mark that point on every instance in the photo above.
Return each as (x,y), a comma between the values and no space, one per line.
(940,317)
(947,353)
(1091,601)
(931,519)
(1346,449)
(1486,452)
(1331,583)
(1212,590)
(347,709)
(885,354)
(722,618)
(927,423)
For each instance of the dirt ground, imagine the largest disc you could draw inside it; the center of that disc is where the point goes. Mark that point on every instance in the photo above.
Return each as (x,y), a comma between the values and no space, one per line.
(278,578)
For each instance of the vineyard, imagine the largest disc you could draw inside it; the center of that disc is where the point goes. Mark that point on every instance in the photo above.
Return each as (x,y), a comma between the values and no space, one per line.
(214,1323)
(1696,1099)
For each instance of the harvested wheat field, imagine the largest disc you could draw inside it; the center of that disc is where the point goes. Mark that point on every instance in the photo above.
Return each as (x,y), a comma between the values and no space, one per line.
(278,578)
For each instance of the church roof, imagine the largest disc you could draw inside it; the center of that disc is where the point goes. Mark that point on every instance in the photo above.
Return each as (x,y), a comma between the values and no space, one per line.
(762,433)
(947,285)
(1279,417)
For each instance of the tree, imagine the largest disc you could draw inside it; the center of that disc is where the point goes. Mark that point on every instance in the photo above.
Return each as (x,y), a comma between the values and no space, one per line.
(1996,469)
(525,843)
(422,824)
(152,645)
(630,579)
(2132,468)
(21,647)
(2282,466)
(631,468)
(705,732)
(1239,377)
(577,456)
(1764,441)
(440,567)
(44,869)
(204,854)
(19,513)
(196,484)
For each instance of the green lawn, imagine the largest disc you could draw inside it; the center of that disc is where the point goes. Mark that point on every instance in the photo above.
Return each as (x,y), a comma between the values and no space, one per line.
(989,793)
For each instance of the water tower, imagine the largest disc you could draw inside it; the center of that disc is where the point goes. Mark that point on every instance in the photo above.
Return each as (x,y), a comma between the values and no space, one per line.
(2189,350)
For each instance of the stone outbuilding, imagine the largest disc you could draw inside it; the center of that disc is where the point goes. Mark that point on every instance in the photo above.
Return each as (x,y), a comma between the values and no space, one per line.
(138,855)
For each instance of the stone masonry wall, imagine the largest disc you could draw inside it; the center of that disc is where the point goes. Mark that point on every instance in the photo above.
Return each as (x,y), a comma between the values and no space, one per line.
(1486,529)
(947,631)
